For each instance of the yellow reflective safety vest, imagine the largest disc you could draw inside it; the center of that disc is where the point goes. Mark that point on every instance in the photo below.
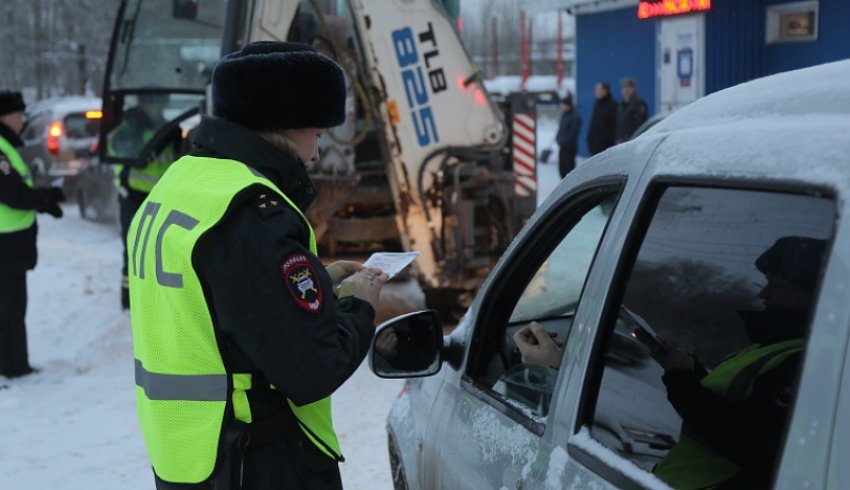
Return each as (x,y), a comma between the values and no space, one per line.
(143,179)
(691,465)
(185,394)
(12,219)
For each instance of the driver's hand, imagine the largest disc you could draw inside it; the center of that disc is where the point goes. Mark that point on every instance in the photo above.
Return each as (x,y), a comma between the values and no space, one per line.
(672,355)
(538,347)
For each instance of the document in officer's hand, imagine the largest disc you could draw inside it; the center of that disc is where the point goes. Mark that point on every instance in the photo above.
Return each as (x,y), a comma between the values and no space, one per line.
(391,262)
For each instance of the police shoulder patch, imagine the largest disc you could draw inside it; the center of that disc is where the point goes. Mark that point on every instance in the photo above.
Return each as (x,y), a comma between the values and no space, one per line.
(268,204)
(303,282)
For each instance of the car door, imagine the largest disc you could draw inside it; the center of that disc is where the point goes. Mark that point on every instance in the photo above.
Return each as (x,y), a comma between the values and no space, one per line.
(695,270)
(491,415)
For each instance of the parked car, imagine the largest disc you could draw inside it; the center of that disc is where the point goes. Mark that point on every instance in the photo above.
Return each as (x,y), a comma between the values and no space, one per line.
(705,205)
(60,136)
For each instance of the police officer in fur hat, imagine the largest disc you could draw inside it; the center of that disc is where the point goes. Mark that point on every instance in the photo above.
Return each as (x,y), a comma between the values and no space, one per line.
(240,333)
(18,204)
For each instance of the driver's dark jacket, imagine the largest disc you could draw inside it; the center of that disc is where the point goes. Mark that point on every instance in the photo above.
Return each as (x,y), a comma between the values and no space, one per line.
(261,328)
(749,433)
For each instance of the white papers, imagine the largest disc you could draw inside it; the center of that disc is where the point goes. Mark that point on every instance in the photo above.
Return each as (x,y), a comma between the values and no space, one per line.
(641,322)
(391,262)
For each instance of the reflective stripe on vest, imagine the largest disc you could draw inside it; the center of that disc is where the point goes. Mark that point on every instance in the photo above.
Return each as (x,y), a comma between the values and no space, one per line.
(12,219)
(184,392)
(143,179)
(196,388)
(691,465)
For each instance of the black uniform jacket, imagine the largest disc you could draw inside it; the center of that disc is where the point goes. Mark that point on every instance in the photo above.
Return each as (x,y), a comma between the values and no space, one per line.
(17,249)
(603,125)
(631,114)
(747,432)
(302,340)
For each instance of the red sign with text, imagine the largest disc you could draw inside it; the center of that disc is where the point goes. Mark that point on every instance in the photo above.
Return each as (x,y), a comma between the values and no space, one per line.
(647,10)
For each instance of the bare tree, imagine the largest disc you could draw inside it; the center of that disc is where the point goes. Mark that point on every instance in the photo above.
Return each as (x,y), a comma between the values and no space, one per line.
(55,47)
(481,17)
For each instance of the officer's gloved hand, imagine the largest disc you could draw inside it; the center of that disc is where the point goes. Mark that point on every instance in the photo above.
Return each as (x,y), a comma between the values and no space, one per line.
(47,201)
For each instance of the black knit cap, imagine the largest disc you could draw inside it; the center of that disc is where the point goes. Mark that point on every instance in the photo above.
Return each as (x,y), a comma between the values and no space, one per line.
(795,259)
(11,102)
(271,85)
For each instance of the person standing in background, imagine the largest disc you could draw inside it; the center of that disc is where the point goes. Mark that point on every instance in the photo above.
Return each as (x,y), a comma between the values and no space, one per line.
(134,183)
(632,110)
(567,137)
(603,123)
(18,204)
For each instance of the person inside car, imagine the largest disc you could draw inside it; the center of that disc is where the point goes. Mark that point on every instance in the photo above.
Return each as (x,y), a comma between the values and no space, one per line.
(733,417)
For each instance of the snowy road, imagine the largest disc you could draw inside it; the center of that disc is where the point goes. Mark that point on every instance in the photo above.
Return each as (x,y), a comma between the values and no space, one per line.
(74,424)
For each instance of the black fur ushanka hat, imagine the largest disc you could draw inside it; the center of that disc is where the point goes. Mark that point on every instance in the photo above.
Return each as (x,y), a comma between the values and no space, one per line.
(11,102)
(272,85)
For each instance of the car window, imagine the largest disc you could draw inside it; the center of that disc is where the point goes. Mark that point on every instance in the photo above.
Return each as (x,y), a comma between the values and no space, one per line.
(78,126)
(702,353)
(556,286)
(545,288)
(142,117)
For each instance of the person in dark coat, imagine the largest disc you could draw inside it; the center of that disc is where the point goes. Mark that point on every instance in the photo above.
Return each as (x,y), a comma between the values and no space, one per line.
(734,417)
(567,137)
(632,110)
(603,124)
(298,327)
(18,204)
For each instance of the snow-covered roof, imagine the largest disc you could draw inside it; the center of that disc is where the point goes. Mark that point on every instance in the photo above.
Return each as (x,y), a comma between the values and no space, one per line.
(580,7)
(536,83)
(66,104)
(819,90)
(794,126)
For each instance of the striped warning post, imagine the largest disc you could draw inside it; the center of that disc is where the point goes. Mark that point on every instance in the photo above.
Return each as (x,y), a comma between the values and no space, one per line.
(525,155)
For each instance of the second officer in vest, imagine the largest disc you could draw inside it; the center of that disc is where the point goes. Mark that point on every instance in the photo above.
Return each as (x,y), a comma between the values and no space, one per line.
(18,204)
(240,333)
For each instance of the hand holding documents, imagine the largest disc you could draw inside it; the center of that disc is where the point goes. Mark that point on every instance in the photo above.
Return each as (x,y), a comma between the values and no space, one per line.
(391,262)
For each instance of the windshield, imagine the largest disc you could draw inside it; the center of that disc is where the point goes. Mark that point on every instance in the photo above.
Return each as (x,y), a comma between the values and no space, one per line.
(170,44)
(81,125)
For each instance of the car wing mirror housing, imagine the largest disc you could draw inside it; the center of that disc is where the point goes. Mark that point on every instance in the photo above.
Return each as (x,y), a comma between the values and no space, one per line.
(408,346)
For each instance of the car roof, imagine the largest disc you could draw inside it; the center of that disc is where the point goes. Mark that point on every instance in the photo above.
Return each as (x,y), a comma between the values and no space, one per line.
(791,127)
(64,105)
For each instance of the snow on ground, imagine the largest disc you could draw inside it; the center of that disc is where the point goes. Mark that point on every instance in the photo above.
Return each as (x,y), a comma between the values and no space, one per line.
(74,424)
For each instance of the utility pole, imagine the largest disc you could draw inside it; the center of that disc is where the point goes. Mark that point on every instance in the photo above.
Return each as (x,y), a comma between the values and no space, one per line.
(81,66)
(559,61)
(523,51)
(495,41)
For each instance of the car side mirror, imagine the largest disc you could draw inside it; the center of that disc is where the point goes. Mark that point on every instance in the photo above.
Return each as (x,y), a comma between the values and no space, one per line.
(408,346)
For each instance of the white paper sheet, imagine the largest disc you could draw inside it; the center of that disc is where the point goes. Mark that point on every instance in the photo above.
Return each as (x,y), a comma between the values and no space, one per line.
(391,262)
